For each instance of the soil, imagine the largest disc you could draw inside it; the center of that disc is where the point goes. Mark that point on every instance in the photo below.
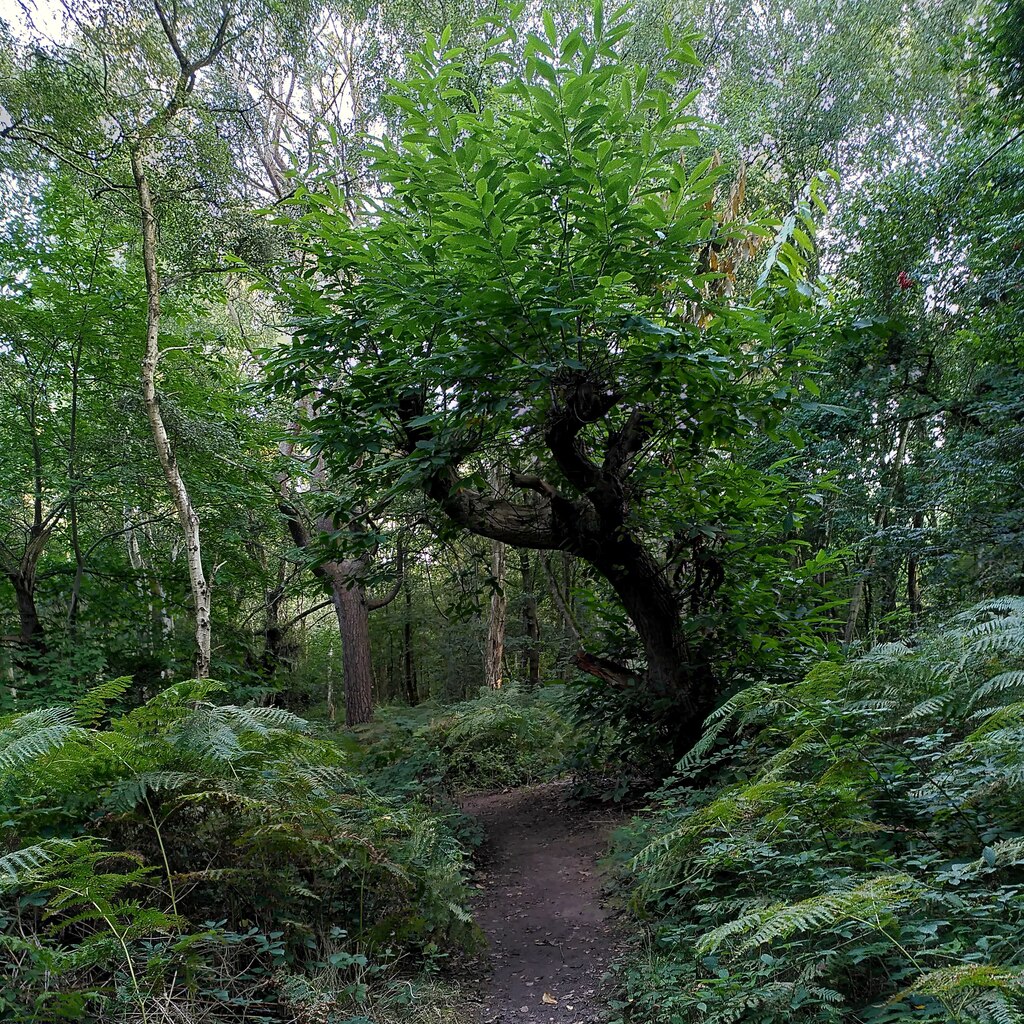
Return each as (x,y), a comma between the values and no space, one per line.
(550,936)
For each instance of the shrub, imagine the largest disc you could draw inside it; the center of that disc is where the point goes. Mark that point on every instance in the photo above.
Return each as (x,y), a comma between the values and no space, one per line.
(505,737)
(202,855)
(855,851)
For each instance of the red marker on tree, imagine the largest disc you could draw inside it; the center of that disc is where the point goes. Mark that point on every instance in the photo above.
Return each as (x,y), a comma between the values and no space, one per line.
(905,281)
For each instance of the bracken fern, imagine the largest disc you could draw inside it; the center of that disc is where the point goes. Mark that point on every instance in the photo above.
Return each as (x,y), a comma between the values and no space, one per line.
(187,851)
(848,847)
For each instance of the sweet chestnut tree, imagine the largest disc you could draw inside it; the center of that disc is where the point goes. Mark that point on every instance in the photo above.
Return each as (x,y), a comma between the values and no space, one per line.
(545,282)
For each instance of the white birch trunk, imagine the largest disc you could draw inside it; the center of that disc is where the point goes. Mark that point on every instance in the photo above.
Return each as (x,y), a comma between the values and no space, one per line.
(187,517)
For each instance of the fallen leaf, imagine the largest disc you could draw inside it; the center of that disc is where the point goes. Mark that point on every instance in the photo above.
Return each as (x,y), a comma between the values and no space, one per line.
(548,999)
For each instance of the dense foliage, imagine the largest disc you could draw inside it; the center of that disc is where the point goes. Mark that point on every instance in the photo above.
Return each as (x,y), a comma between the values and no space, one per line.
(502,738)
(531,320)
(848,846)
(484,394)
(213,858)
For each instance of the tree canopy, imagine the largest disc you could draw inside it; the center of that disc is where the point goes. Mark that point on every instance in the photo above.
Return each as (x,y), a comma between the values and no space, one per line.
(400,400)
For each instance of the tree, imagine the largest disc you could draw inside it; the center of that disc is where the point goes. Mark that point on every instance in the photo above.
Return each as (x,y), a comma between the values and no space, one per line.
(540,286)
(141,130)
(346,575)
(494,645)
(917,415)
(531,621)
(65,294)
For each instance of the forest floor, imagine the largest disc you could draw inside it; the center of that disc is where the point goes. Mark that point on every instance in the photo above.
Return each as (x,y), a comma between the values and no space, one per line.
(550,938)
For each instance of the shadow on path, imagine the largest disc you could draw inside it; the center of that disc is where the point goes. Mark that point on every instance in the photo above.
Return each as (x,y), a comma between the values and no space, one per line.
(550,939)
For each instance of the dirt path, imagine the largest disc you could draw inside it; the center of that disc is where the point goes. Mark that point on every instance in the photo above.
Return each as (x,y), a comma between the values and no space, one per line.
(550,939)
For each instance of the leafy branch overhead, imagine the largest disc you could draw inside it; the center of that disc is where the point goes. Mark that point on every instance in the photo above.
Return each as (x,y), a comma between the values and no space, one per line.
(545,281)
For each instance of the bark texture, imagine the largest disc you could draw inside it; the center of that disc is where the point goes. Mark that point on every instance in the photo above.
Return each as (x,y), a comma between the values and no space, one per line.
(353,612)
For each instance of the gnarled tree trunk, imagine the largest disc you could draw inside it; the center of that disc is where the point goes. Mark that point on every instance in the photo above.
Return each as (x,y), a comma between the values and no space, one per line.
(596,526)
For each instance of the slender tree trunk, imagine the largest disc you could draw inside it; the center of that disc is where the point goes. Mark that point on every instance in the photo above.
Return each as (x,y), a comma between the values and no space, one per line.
(914,579)
(332,709)
(408,670)
(189,520)
(76,547)
(389,665)
(162,624)
(73,483)
(494,652)
(21,569)
(137,564)
(854,609)
(561,601)
(531,623)
(353,614)
(274,632)
(32,632)
(857,597)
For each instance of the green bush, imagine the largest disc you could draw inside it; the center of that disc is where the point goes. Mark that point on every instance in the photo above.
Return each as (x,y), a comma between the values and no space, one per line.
(505,737)
(854,850)
(218,859)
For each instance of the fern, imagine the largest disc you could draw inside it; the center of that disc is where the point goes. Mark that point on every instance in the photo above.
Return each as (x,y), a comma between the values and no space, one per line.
(18,864)
(25,738)
(975,992)
(855,827)
(871,902)
(127,793)
(1011,680)
(193,810)
(91,708)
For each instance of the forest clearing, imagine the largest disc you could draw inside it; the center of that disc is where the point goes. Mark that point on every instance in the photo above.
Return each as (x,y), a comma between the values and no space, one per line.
(511,512)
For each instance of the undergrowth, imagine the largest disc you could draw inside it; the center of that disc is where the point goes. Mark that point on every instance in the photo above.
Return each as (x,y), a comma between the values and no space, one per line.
(849,847)
(504,737)
(196,861)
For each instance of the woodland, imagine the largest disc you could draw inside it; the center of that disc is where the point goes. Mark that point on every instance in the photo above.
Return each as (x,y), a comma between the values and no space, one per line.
(440,438)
